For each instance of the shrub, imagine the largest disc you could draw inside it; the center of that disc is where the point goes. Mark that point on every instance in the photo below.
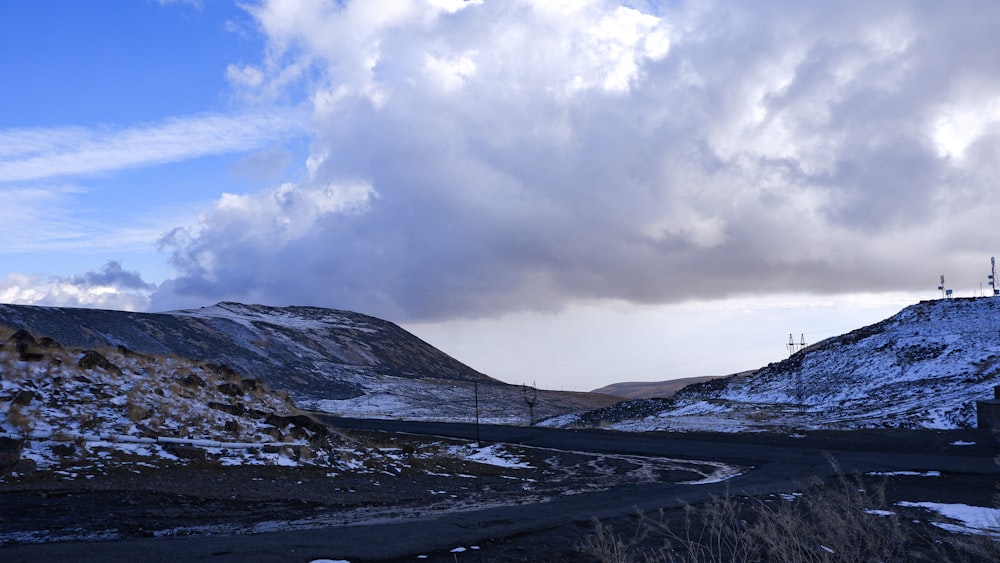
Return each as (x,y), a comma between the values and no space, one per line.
(838,521)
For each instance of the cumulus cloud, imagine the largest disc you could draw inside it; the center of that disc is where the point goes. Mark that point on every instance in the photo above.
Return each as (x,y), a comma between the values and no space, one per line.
(471,159)
(110,287)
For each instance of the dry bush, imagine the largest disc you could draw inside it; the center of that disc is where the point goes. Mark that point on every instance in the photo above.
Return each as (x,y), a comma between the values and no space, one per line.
(17,418)
(10,368)
(608,547)
(833,523)
(135,412)
(826,523)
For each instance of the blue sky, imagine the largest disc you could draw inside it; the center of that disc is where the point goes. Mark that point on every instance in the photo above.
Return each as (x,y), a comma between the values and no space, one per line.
(571,193)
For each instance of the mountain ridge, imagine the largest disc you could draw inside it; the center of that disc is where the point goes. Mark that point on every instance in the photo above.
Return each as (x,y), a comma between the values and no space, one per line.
(316,350)
(924,367)
(327,360)
(653,389)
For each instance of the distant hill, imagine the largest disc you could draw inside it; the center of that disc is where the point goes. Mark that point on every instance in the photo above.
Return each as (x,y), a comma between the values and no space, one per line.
(651,389)
(325,359)
(925,367)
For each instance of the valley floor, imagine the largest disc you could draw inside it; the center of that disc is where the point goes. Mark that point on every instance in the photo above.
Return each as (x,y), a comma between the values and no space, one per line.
(530,503)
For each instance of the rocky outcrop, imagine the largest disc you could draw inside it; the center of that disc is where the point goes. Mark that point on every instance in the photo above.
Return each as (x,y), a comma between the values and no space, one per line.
(92,360)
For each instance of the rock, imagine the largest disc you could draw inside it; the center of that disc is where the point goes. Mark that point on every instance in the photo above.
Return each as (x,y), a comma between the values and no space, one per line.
(299,420)
(192,380)
(10,454)
(186,452)
(22,336)
(250,384)
(23,398)
(230,389)
(92,359)
(24,467)
(64,450)
(24,344)
(223,371)
(237,409)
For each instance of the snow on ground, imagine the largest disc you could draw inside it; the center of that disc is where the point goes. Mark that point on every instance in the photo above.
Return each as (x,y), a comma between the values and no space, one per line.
(133,408)
(905,473)
(971,519)
(923,368)
(438,400)
(495,454)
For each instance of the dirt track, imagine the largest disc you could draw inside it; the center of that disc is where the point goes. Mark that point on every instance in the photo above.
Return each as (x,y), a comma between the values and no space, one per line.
(509,514)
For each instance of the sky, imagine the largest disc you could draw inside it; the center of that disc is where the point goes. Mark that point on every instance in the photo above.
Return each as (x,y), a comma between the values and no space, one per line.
(555,192)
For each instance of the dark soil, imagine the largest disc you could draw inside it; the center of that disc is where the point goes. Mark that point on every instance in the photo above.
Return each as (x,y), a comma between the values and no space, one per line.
(207,511)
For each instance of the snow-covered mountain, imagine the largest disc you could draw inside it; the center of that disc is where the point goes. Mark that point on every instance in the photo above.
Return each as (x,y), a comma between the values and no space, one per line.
(307,351)
(925,367)
(330,360)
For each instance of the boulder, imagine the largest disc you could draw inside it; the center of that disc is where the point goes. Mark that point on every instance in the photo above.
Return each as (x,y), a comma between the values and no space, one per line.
(23,398)
(92,359)
(64,450)
(239,409)
(192,380)
(230,389)
(10,454)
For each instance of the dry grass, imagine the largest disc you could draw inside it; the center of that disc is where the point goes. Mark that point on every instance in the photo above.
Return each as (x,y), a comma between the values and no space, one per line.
(17,419)
(842,521)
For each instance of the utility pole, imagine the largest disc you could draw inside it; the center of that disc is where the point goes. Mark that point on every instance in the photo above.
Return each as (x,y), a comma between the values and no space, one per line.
(475,387)
(530,398)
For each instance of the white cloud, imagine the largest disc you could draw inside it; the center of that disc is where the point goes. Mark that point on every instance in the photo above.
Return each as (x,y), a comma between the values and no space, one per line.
(57,218)
(530,155)
(33,154)
(110,287)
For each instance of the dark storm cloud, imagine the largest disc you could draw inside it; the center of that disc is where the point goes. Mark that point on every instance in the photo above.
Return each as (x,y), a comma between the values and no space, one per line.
(111,274)
(515,156)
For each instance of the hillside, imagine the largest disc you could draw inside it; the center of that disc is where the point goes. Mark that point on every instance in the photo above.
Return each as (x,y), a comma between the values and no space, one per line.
(923,368)
(81,409)
(328,360)
(651,389)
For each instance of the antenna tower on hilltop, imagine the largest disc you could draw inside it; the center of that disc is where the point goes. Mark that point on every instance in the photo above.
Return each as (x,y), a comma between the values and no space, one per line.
(993,276)
(945,293)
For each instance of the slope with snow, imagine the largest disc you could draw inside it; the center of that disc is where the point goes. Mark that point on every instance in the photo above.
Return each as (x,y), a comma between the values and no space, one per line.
(327,360)
(922,368)
(310,352)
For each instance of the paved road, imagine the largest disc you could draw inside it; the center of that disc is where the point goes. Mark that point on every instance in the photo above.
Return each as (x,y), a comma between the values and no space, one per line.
(854,450)
(774,462)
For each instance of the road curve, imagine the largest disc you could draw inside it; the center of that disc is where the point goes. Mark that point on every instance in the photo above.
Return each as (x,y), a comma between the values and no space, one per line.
(774,462)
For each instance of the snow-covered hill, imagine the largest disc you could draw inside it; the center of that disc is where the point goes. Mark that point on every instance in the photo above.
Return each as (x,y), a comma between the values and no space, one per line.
(922,368)
(311,352)
(328,360)
(69,409)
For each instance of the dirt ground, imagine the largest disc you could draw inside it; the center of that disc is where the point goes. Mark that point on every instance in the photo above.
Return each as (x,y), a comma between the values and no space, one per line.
(539,513)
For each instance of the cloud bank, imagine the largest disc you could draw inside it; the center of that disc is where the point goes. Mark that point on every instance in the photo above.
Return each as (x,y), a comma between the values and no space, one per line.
(110,287)
(478,158)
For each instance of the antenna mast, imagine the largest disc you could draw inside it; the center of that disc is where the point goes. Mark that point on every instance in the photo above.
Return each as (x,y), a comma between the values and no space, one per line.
(993,276)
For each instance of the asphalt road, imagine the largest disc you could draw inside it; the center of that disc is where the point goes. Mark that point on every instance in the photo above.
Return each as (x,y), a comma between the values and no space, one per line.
(773,463)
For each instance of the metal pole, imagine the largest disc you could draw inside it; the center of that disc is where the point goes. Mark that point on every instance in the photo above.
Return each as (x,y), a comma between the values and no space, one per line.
(476,387)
